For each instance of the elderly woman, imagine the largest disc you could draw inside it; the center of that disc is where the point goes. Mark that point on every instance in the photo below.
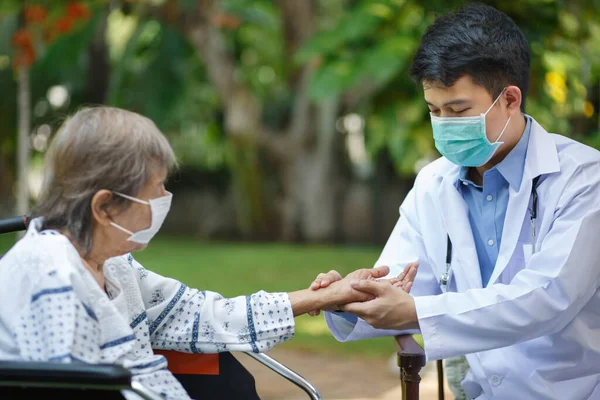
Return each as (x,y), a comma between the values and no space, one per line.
(70,290)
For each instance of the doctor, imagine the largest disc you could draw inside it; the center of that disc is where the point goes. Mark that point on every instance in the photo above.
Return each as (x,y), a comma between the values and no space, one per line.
(505,226)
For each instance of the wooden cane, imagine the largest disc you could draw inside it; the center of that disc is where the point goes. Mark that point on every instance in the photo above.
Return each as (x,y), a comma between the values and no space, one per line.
(411,358)
(440,374)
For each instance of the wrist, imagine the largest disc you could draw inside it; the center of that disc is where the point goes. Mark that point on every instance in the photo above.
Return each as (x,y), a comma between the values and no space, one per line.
(332,297)
(306,300)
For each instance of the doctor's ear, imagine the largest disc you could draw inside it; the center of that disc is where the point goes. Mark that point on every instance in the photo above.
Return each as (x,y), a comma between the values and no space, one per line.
(513,97)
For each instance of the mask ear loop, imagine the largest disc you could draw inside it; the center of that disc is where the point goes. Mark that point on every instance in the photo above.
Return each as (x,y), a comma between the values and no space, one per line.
(495,101)
(503,129)
(128,198)
(488,110)
(131,198)
(119,227)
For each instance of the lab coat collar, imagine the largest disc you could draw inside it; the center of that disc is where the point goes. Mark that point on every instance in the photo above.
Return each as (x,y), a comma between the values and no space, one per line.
(542,155)
(542,159)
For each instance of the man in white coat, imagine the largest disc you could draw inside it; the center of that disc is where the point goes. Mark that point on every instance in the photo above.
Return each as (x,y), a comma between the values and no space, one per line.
(505,226)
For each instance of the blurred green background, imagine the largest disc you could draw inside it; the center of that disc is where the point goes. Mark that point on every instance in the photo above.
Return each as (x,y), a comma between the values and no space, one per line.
(298,130)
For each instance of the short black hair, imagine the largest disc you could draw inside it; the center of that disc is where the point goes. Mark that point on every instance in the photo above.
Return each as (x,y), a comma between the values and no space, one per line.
(476,40)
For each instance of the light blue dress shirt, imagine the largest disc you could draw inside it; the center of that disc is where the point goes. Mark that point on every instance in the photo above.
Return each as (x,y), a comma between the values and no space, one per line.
(487,204)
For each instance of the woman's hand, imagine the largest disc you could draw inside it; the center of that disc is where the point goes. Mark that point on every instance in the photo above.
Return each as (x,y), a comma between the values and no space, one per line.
(406,279)
(338,293)
(330,298)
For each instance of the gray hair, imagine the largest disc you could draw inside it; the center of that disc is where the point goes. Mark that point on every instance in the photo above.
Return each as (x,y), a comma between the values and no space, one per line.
(98,148)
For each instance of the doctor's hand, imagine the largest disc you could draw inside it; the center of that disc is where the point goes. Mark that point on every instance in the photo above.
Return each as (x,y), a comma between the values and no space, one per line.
(404,280)
(391,307)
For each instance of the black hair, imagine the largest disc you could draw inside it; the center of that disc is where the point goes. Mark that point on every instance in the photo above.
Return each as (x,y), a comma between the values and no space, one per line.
(476,40)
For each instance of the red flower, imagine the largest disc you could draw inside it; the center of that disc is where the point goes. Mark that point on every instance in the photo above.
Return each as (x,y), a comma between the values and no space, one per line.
(226,21)
(64,24)
(24,57)
(77,10)
(22,38)
(35,13)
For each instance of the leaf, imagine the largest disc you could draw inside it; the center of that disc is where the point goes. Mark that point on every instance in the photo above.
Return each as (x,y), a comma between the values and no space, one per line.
(332,79)
(355,26)
(388,58)
(64,59)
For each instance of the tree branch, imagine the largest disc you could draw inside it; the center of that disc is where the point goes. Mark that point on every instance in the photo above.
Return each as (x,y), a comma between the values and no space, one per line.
(210,43)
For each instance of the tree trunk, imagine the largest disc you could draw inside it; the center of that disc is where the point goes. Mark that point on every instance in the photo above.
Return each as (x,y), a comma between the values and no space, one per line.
(7,183)
(318,177)
(99,69)
(243,121)
(305,151)
(22,206)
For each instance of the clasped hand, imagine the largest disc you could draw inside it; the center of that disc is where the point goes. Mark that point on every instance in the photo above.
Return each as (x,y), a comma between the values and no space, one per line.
(365,293)
(382,303)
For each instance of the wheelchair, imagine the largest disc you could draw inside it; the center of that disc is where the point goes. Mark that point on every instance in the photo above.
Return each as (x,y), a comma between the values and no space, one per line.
(203,376)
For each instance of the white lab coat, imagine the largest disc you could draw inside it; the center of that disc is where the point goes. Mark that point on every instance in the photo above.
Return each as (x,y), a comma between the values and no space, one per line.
(534,331)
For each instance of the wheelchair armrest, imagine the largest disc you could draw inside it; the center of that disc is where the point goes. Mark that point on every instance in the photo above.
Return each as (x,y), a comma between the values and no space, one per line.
(287,373)
(14,224)
(59,373)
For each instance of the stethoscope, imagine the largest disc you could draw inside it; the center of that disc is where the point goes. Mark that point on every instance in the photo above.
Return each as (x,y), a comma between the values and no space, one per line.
(534,206)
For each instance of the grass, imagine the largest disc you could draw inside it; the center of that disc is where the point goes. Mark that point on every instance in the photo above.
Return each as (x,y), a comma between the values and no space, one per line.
(234,269)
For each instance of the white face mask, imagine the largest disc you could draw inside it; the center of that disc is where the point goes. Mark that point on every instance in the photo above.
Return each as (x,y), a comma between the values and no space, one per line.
(159,209)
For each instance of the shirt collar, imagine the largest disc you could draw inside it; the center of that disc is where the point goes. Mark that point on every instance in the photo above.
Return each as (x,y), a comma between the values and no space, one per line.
(513,165)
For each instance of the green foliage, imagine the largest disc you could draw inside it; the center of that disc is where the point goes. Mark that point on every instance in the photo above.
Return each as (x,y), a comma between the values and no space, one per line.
(373,43)
(361,49)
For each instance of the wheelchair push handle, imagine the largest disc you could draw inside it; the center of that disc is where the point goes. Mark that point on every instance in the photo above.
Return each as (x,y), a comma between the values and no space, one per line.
(14,224)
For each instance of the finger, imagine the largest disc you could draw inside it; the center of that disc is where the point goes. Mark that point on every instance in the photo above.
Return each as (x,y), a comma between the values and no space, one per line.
(407,287)
(330,277)
(317,282)
(358,309)
(374,288)
(380,272)
(410,275)
(398,283)
(404,271)
(336,276)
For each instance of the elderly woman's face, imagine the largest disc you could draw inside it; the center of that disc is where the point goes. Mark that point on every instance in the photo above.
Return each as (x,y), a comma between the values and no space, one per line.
(137,216)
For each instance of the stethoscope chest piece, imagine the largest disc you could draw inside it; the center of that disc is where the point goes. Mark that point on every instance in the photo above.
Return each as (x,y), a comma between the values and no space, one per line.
(444,279)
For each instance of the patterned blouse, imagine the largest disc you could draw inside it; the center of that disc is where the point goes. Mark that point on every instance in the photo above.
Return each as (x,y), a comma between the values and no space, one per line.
(52,309)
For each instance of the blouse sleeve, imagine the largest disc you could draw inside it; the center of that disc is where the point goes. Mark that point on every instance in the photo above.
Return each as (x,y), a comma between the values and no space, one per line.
(193,321)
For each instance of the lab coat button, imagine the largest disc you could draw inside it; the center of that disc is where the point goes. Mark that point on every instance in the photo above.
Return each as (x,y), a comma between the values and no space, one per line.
(495,380)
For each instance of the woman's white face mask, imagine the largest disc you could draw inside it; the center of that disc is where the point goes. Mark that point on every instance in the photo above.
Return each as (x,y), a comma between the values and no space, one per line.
(159,208)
